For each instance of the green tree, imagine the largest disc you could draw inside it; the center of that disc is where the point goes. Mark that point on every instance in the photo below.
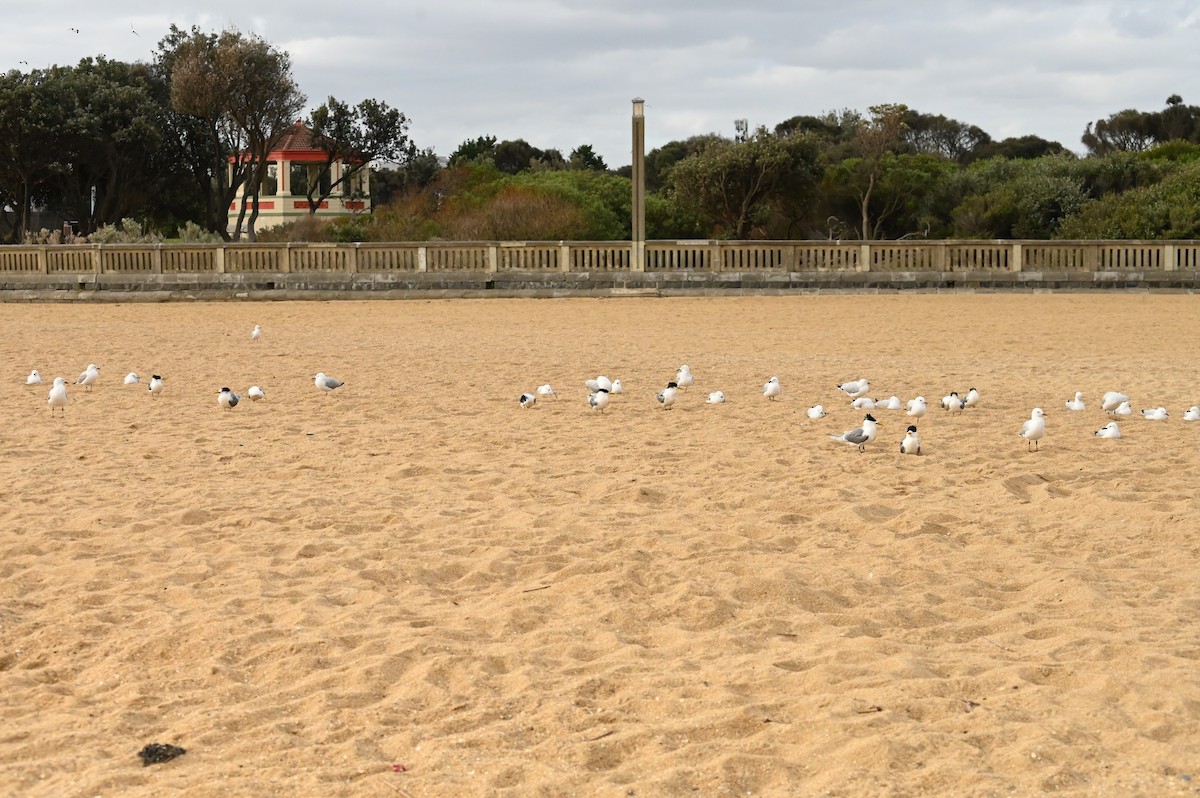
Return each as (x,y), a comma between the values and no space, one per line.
(478,150)
(355,136)
(113,163)
(877,138)
(1168,209)
(584,157)
(240,95)
(33,114)
(733,184)
(937,135)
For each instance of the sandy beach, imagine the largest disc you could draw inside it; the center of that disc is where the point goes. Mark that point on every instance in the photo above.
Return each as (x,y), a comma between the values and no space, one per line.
(414,587)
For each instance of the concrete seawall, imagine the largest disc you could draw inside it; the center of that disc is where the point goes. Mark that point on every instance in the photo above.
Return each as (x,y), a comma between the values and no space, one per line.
(325,285)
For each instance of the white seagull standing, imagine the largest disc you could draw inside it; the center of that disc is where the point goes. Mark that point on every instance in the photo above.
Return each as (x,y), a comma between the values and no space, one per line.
(952,402)
(156,385)
(1110,430)
(715,398)
(860,436)
(327,384)
(815,412)
(1077,402)
(1034,429)
(132,378)
(772,389)
(256,334)
(616,387)
(911,443)
(1112,400)
(683,377)
(89,376)
(917,407)
(855,388)
(972,398)
(58,396)
(666,397)
(1192,414)
(598,400)
(255,393)
(527,400)
(546,390)
(1155,414)
(34,378)
(227,398)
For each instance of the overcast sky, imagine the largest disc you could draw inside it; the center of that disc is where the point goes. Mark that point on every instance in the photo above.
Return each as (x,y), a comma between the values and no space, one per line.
(560,73)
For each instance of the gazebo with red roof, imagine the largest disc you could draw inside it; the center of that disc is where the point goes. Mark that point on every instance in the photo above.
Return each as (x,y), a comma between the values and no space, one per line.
(291,165)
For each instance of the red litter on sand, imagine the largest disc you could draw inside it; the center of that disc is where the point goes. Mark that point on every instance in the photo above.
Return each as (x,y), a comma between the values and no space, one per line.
(399,768)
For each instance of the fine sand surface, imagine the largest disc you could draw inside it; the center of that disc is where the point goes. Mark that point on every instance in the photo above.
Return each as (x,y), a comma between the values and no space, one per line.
(412,587)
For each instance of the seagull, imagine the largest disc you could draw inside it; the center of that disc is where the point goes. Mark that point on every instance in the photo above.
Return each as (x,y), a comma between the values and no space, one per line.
(1077,402)
(972,398)
(917,407)
(1156,414)
(255,393)
(952,402)
(546,390)
(599,399)
(132,378)
(715,398)
(58,396)
(911,443)
(815,412)
(326,384)
(683,377)
(256,333)
(772,388)
(527,400)
(89,376)
(859,436)
(666,397)
(1112,400)
(616,387)
(892,403)
(1192,414)
(598,383)
(1110,430)
(863,403)
(1123,409)
(227,398)
(156,385)
(34,378)
(1035,428)
(855,388)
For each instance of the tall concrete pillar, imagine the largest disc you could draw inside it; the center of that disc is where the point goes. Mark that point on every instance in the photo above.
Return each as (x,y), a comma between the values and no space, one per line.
(638,238)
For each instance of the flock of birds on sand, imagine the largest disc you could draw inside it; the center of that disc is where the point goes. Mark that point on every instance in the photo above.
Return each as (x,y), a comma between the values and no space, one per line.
(226,398)
(601,389)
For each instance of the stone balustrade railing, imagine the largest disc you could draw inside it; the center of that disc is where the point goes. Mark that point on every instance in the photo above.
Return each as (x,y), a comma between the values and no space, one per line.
(590,266)
(590,256)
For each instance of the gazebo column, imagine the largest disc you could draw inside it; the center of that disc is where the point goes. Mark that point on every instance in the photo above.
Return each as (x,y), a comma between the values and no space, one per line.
(283,173)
